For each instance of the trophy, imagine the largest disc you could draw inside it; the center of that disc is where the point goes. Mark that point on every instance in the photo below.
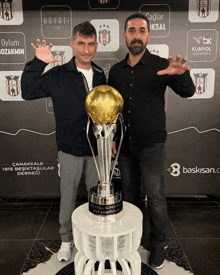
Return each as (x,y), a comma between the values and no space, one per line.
(107,233)
(104,105)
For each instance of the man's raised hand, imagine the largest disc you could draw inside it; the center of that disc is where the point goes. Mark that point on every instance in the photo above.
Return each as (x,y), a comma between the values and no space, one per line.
(177,66)
(42,52)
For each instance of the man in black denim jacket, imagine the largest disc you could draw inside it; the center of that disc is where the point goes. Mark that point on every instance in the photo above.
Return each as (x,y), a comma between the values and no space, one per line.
(68,86)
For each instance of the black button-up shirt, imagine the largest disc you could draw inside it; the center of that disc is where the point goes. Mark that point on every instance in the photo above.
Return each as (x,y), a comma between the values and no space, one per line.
(143,93)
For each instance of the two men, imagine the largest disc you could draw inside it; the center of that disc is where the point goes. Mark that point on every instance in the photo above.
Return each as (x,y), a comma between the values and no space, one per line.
(142,78)
(68,86)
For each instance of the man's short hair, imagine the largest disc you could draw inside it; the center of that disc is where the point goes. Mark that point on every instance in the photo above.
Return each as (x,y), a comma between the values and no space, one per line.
(84,29)
(137,15)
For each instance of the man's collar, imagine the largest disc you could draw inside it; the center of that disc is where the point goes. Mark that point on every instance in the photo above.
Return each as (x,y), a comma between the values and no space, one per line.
(144,58)
(71,65)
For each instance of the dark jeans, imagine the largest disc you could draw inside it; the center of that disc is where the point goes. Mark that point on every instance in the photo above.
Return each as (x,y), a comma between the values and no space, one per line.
(147,167)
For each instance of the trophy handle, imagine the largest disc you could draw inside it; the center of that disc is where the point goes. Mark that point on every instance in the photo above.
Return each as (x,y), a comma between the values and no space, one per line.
(121,119)
(87,135)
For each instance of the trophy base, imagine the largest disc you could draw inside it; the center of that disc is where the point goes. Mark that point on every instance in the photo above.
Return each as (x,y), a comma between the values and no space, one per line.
(107,218)
(105,206)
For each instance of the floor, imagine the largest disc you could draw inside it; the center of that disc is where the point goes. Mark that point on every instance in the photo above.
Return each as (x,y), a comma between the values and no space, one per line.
(194,227)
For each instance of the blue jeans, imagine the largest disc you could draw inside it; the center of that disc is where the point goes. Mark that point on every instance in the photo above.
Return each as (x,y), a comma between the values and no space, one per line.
(147,167)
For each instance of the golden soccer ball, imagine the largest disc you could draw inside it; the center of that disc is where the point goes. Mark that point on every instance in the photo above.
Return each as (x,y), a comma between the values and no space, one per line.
(103,104)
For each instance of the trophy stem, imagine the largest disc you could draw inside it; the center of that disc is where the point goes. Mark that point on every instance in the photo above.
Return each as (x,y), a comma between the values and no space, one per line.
(104,199)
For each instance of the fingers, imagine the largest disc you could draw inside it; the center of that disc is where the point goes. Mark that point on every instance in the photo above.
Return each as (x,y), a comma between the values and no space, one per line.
(188,68)
(50,46)
(178,59)
(182,61)
(44,44)
(162,72)
(33,46)
(171,59)
(38,43)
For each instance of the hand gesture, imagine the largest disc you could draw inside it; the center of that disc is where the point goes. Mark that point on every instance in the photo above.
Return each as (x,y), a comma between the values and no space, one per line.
(177,66)
(43,52)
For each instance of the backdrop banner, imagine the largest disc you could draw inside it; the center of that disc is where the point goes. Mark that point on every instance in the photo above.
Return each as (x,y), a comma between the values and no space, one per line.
(28,152)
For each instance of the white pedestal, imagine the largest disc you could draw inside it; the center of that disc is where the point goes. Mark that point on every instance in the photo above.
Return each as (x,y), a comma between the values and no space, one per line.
(116,240)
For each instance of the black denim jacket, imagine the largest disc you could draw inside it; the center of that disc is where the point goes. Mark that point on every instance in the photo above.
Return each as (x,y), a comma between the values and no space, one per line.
(68,89)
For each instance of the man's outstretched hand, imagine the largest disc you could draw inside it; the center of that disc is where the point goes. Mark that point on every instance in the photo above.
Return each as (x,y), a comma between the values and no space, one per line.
(177,66)
(42,52)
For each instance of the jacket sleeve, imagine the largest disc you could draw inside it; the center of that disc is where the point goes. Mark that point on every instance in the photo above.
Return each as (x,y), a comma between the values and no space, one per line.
(182,84)
(103,80)
(33,81)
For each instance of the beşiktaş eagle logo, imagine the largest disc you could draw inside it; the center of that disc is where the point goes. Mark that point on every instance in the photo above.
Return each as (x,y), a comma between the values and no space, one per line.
(104,35)
(200,81)
(7,9)
(203,8)
(58,55)
(13,85)
(107,34)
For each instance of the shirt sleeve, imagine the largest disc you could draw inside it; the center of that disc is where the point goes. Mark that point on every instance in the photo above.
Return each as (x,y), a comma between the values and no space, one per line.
(110,79)
(118,132)
(182,84)
(33,81)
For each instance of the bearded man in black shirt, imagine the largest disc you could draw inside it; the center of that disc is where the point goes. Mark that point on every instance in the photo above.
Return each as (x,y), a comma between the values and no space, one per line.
(142,78)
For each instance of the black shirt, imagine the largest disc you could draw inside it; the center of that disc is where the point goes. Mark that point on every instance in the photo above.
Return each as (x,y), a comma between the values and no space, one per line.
(68,89)
(143,93)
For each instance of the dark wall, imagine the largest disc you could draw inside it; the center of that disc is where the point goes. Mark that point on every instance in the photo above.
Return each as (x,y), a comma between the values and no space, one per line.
(28,153)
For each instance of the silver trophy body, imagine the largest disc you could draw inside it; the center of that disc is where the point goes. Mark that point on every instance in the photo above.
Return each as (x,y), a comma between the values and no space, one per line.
(105,199)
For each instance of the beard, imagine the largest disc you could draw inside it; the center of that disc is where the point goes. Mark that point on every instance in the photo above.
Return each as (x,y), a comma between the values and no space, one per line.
(137,49)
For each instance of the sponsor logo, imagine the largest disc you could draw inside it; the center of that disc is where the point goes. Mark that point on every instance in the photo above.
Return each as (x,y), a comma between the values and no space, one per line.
(56,22)
(200,80)
(7,10)
(104,35)
(103,1)
(12,48)
(159,17)
(58,55)
(63,53)
(203,10)
(27,168)
(104,4)
(204,80)
(11,12)
(161,50)
(108,34)
(11,87)
(176,170)
(202,45)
